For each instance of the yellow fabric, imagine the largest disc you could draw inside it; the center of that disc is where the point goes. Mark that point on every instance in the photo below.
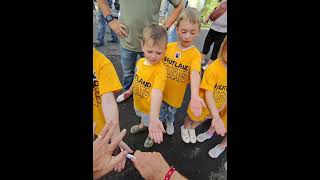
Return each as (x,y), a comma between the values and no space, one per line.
(214,79)
(179,64)
(147,77)
(204,113)
(105,80)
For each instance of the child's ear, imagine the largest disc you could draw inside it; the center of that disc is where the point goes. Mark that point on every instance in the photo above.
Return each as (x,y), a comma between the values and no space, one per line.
(142,45)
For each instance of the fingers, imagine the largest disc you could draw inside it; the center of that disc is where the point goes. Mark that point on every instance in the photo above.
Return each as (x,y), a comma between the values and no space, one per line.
(123,163)
(103,133)
(117,160)
(198,112)
(106,138)
(116,26)
(120,165)
(138,154)
(106,130)
(203,103)
(162,128)
(123,30)
(219,131)
(158,138)
(224,131)
(117,167)
(153,136)
(124,146)
(195,111)
(117,140)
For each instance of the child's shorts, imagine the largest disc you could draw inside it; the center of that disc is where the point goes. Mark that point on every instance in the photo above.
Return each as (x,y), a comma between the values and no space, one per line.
(167,112)
(144,117)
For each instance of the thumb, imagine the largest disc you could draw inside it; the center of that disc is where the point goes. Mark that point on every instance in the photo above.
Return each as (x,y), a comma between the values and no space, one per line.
(136,163)
(136,154)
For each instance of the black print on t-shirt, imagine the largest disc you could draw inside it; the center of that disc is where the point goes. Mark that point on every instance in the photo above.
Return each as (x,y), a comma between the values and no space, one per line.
(177,55)
(96,91)
(220,87)
(220,93)
(94,78)
(141,87)
(176,71)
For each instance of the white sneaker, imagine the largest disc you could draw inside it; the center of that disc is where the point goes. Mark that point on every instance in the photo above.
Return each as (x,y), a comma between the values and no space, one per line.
(121,98)
(185,135)
(193,137)
(204,136)
(205,67)
(170,128)
(216,151)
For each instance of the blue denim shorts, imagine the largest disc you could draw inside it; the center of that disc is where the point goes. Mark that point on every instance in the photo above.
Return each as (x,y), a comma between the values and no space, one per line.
(144,117)
(167,112)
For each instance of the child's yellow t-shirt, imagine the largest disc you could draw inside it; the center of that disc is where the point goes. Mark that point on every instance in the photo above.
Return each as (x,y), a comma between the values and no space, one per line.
(105,80)
(214,79)
(179,64)
(147,77)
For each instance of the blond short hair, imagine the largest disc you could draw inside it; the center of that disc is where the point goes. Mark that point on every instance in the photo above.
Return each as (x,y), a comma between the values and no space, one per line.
(155,33)
(222,46)
(191,15)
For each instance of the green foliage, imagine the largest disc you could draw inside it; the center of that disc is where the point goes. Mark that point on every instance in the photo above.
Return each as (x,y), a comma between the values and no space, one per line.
(205,12)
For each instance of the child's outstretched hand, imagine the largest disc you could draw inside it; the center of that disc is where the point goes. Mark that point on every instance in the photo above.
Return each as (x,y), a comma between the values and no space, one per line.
(156,130)
(196,105)
(218,125)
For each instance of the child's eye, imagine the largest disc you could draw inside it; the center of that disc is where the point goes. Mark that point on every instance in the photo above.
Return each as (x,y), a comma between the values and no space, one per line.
(149,51)
(158,53)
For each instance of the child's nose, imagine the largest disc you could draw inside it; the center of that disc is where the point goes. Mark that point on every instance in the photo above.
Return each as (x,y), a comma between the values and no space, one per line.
(187,35)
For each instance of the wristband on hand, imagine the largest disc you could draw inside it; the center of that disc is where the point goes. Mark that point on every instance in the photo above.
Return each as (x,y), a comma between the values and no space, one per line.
(169,173)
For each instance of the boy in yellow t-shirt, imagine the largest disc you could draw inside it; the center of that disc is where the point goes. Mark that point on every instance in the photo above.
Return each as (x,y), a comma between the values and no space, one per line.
(148,84)
(214,91)
(183,63)
(105,109)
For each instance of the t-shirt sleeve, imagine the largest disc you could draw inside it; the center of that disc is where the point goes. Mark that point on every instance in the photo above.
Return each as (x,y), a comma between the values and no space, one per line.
(160,79)
(209,79)
(108,78)
(196,62)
